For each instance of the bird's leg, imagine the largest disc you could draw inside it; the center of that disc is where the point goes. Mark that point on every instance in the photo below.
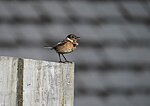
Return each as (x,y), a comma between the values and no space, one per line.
(59,58)
(65,58)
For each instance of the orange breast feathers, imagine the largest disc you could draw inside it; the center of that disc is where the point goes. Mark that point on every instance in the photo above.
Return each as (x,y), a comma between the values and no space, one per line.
(67,47)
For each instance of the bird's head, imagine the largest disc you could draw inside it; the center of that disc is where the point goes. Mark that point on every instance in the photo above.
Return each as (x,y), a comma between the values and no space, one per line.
(72,37)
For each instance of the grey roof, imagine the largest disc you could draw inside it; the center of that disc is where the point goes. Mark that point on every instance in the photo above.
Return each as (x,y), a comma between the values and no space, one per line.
(113,57)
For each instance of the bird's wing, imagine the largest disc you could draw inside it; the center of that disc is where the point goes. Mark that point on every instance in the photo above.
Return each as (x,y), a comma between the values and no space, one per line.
(60,43)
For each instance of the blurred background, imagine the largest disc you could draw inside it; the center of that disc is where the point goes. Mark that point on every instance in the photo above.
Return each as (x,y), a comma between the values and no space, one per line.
(113,57)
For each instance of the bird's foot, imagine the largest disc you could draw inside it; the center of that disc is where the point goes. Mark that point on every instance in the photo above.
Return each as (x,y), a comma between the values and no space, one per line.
(68,61)
(60,62)
(65,61)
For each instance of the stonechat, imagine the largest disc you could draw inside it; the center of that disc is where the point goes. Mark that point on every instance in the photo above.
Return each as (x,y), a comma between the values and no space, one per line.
(68,45)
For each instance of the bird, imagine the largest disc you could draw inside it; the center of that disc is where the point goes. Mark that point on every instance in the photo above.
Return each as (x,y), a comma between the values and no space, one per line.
(68,45)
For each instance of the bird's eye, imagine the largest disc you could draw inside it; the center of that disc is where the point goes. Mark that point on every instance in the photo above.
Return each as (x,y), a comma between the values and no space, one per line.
(72,36)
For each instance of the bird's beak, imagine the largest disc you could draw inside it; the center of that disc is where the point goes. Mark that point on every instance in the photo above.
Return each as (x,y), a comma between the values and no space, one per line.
(77,37)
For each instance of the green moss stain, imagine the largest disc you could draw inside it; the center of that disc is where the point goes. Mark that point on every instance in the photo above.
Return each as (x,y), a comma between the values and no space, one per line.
(20,82)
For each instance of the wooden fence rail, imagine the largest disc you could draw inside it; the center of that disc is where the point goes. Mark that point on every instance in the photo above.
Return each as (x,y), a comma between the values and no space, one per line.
(27,82)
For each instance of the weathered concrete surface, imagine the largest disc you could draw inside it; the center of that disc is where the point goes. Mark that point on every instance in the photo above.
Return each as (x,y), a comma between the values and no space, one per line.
(27,82)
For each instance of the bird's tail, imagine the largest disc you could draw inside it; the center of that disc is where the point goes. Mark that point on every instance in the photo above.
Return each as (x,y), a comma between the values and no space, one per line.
(51,48)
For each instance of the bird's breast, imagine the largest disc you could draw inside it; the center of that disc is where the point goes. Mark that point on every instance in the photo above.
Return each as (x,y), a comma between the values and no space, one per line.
(66,48)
